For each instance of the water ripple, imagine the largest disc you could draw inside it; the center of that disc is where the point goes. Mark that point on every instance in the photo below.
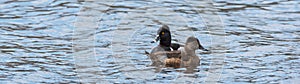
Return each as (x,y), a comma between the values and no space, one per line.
(261,45)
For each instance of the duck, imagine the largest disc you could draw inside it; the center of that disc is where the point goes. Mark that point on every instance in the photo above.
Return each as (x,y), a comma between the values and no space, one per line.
(183,57)
(173,54)
(164,37)
(188,55)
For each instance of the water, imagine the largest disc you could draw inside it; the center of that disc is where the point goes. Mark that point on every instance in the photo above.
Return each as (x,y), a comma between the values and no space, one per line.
(53,41)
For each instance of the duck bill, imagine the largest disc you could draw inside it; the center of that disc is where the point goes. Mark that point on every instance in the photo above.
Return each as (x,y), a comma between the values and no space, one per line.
(202,48)
(156,39)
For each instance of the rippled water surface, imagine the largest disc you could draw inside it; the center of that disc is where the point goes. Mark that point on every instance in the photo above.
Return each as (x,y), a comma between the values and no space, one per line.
(74,41)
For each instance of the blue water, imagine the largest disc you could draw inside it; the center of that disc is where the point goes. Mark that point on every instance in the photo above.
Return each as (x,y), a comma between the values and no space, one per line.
(78,41)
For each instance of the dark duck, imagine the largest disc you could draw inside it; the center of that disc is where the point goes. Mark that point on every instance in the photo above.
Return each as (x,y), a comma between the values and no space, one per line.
(161,52)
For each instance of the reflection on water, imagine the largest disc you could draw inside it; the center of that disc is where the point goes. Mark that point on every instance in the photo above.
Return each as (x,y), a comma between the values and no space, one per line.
(52,41)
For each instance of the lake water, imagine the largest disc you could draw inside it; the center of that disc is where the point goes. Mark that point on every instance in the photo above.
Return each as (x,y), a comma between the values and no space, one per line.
(88,41)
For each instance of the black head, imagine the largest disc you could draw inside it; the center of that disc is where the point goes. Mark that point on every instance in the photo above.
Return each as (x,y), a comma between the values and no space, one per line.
(164,36)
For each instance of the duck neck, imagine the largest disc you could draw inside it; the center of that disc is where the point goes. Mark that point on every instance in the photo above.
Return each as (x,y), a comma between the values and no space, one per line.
(165,42)
(189,52)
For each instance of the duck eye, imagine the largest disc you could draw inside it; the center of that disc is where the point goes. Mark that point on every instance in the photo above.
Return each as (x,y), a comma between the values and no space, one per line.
(162,33)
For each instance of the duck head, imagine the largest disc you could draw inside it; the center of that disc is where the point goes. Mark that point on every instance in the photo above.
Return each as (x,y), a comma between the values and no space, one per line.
(193,44)
(163,36)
